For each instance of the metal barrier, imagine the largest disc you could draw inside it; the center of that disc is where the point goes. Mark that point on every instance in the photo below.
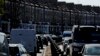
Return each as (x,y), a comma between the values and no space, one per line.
(55,50)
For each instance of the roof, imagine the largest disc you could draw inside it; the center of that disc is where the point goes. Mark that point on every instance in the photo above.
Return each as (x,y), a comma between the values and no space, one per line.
(20,46)
(83,26)
(2,38)
(1,33)
(67,32)
(15,45)
(53,36)
(90,45)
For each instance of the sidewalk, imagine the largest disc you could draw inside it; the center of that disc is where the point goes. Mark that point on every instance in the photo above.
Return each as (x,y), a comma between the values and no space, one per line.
(42,51)
(47,51)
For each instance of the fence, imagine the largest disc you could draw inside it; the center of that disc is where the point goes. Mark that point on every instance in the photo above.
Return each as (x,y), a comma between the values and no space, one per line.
(51,29)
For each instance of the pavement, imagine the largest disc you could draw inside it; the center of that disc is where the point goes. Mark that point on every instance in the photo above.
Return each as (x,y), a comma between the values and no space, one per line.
(42,51)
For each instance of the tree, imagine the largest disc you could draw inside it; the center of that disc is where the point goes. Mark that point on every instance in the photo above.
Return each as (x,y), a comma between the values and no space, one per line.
(1,7)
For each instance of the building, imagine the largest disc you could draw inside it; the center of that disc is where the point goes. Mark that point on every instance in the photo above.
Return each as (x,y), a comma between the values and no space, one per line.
(55,13)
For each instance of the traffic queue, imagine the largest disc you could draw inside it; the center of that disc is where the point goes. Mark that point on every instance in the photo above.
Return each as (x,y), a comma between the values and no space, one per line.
(21,42)
(82,40)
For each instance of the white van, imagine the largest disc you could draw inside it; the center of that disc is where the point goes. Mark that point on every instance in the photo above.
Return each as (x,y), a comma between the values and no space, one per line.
(26,37)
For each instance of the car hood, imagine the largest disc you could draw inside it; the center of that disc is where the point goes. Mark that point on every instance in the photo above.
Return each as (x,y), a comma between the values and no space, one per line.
(25,55)
(67,38)
(91,55)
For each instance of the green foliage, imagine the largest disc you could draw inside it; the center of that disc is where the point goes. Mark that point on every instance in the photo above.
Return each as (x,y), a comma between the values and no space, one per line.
(1,7)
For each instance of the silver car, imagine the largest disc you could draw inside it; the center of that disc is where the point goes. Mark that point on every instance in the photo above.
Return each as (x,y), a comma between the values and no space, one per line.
(17,50)
(91,50)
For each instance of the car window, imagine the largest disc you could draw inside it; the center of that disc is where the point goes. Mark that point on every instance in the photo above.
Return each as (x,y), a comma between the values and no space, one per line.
(67,35)
(14,51)
(22,50)
(92,51)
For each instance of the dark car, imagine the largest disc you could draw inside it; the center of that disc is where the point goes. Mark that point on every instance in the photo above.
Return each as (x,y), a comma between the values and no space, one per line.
(83,34)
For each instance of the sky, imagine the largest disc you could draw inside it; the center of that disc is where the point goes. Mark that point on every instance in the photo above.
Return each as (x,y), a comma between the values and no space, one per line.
(84,2)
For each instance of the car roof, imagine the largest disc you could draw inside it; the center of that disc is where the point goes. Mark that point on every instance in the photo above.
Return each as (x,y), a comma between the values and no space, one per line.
(15,45)
(20,46)
(65,38)
(2,37)
(90,45)
(67,32)
(1,33)
(81,26)
(54,36)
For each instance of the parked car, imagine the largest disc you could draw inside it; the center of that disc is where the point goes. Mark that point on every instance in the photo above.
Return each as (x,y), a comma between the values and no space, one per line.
(17,50)
(4,49)
(90,50)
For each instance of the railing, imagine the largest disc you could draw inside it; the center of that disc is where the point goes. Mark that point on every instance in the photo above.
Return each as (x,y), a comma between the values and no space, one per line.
(55,50)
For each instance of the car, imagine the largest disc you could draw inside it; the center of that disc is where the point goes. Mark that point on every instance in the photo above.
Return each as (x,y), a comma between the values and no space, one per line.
(4,49)
(66,38)
(67,35)
(17,50)
(81,35)
(65,43)
(57,38)
(90,50)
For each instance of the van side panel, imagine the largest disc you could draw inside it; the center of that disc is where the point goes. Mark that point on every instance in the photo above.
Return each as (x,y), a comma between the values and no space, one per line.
(25,37)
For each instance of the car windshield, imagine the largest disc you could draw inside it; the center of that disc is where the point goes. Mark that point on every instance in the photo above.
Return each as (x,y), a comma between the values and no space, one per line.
(14,51)
(86,35)
(67,35)
(92,50)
